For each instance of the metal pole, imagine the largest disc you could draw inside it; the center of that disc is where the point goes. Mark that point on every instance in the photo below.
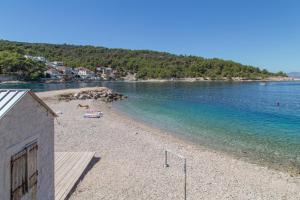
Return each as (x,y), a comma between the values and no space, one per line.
(166,158)
(184,170)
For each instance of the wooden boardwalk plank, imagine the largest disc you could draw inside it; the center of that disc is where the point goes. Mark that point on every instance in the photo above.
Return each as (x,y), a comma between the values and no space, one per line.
(78,168)
(65,165)
(59,156)
(69,166)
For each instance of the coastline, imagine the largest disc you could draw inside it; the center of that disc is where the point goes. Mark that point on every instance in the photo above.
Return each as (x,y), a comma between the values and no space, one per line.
(141,146)
(206,79)
(249,157)
(236,79)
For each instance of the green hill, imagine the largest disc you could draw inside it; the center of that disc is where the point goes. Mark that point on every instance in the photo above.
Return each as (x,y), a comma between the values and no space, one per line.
(146,64)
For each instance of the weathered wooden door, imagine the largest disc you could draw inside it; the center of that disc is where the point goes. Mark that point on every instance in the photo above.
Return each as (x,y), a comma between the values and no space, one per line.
(18,175)
(32,169)
(24,173)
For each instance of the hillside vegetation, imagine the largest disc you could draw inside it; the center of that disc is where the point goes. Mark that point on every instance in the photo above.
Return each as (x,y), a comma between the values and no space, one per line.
(12,62)
(146,64)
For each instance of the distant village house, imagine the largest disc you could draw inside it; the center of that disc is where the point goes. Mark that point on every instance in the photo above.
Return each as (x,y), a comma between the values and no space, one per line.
(106,73)
(55,64)
(57,71)
(85,73)
(36,58)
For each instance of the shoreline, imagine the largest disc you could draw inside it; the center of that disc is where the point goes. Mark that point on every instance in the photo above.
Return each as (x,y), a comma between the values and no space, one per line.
(249,156)
(237,79)
(287,79)
(131,160)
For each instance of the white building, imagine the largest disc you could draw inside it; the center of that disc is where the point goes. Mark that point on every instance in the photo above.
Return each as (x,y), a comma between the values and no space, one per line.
(26,147)
(40,59)
(36,58)
(55,63)
(106,72)
(85,73)
(82,71)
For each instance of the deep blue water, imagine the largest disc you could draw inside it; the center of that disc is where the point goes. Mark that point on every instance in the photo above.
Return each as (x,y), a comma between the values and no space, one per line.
(251,120)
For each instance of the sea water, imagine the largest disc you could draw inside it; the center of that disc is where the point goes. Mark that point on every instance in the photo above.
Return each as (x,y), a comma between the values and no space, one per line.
(253,120)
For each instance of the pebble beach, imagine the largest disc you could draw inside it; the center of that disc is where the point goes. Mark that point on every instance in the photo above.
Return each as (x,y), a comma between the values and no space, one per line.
(129,161)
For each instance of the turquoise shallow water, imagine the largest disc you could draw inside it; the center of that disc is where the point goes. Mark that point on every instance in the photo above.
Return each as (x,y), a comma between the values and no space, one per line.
(241,118)
(252,120)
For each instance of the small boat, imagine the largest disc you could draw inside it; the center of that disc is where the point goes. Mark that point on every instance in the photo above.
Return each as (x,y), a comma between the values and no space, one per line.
(93,114)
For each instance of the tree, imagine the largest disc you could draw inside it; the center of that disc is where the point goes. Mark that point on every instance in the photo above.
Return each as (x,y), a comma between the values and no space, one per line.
(17,64)
(147,64)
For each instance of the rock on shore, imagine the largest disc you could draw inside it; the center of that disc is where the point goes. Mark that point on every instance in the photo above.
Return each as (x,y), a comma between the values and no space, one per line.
(102,94)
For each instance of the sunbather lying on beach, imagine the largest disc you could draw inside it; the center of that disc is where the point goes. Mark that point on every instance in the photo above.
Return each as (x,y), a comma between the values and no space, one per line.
(83,106)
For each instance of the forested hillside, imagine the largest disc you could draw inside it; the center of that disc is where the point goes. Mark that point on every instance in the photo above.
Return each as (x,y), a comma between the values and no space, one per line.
(146,64)
(12,62)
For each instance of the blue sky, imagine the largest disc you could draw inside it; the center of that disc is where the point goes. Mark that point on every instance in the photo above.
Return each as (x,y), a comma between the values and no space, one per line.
(263,33)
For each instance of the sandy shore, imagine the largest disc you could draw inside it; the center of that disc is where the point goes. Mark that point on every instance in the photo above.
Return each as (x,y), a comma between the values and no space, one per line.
(131,161)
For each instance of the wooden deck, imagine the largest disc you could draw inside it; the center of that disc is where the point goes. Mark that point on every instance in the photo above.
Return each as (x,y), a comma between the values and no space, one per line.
(69,166)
